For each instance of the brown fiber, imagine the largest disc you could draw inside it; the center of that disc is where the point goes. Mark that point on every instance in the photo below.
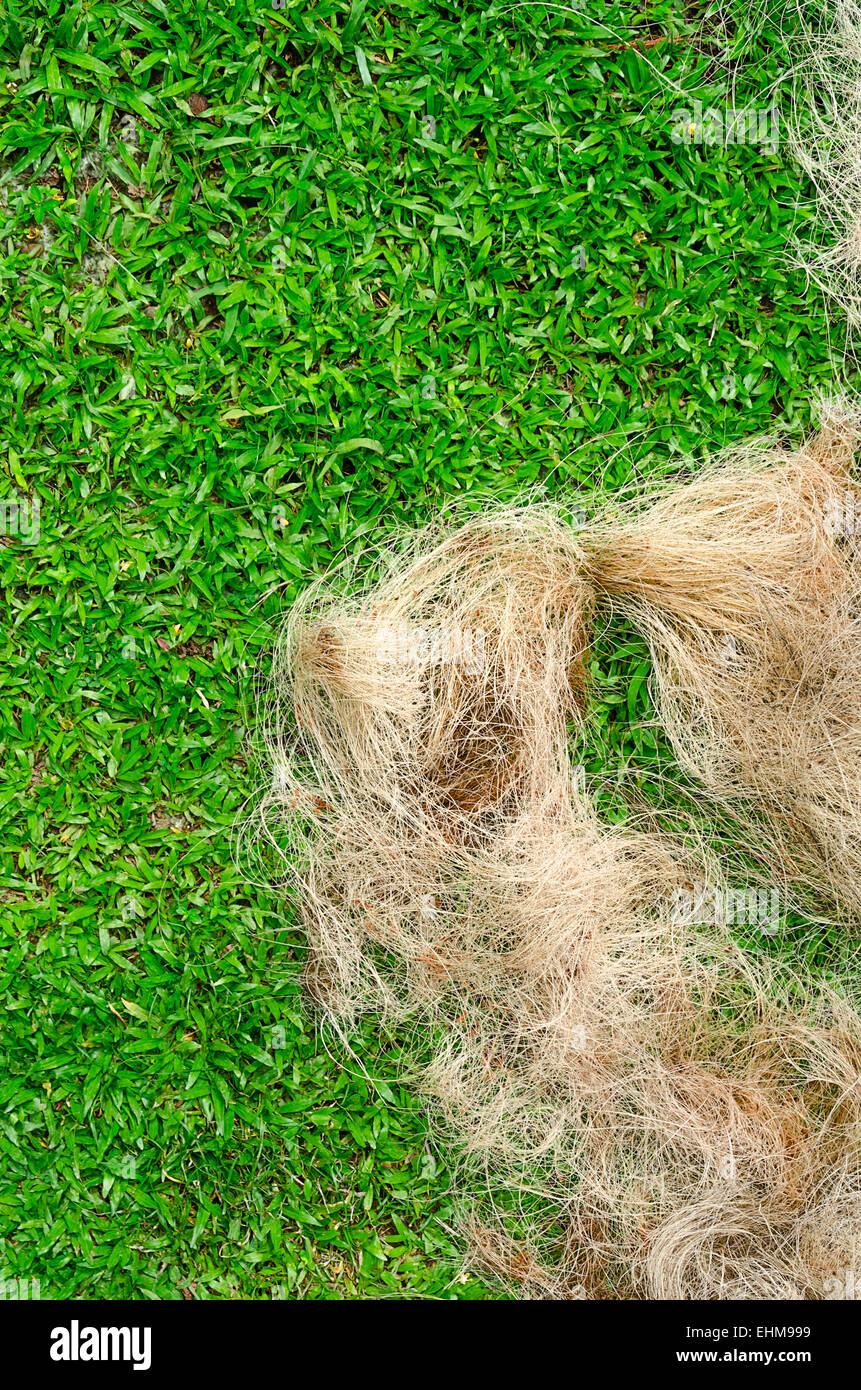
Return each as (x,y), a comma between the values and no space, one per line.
(674,1118)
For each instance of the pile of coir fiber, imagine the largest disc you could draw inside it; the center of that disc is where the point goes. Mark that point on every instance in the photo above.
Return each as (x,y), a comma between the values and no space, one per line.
(688,1118)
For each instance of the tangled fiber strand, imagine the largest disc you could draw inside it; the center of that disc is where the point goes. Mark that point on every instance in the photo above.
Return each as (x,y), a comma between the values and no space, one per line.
(746,584)
(685,1123)
(825,137)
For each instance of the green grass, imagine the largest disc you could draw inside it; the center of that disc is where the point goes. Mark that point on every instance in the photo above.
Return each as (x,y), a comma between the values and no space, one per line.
(272,282)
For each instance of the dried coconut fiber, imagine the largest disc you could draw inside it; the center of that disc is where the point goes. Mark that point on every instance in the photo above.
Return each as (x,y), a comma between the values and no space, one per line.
(690,1118)
(825,135)
(746,584)
(670,1116)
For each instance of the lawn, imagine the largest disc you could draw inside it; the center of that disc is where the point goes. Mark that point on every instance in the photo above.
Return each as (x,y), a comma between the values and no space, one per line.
(275,279)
